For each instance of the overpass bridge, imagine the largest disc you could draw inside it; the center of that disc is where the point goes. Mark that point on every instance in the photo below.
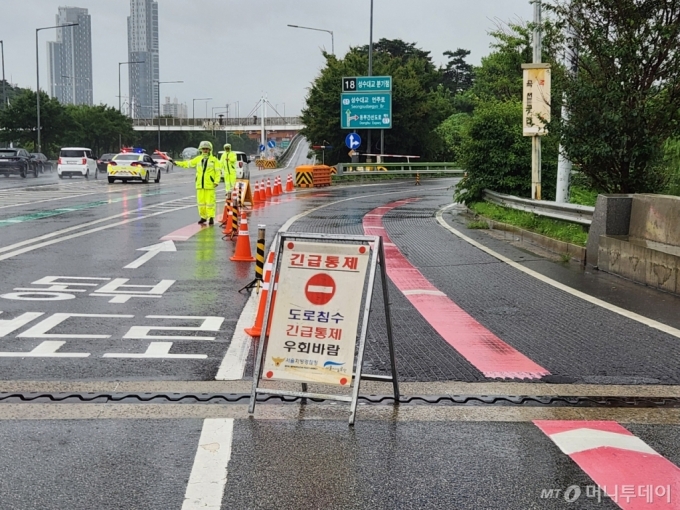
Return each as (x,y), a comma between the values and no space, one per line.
(236,125)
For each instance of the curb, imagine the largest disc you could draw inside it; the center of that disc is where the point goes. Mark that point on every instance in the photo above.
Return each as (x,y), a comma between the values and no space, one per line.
(512,233)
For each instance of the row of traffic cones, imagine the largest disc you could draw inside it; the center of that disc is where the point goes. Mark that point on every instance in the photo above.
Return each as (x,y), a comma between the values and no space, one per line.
(264,191)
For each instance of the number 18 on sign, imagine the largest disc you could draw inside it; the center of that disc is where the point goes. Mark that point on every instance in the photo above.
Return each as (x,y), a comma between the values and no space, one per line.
(314,322)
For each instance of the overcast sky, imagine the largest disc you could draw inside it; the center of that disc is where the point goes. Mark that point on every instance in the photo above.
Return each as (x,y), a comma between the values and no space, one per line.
(238,50)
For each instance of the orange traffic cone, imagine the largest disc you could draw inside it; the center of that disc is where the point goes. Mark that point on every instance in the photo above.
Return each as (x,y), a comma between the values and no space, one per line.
(263,196)
(256,194)
(275,189)
(256,329)
(243,253)
(268,189)
(279,188)
(226,212)
(289,184)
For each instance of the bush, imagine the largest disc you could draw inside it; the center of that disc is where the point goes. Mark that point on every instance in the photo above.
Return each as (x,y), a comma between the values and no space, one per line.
(496,156)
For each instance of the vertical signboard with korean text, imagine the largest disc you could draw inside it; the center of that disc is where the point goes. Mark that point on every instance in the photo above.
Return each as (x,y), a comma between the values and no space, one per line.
(315,320)
(536,99)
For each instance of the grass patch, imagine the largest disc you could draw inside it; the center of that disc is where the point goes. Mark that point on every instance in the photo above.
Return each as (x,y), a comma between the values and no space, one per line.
(556,229)
(582,195)
(481,224)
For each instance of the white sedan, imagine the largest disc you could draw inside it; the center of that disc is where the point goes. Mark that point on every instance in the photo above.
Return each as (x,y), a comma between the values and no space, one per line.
(165,163)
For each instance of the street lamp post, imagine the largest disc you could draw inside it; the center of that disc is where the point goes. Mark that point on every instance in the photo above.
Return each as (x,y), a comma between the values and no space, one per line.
(193,105)
(159,109)
(4,82)
(37,74)
(320,30)
(120,64)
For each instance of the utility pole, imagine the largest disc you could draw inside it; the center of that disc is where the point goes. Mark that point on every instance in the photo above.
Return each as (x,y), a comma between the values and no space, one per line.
(536,139)
(370,73)
(563,164)
(264,113)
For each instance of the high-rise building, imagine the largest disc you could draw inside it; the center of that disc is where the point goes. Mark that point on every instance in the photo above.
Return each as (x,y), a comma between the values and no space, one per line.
(174,109)
(143,47)
(70,58)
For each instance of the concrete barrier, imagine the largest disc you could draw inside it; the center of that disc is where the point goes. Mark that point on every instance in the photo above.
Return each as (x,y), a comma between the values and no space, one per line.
(637,237)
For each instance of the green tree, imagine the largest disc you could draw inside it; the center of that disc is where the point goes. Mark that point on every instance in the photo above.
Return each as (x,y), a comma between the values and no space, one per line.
(420,102)
(18,122)
(97,127)
(457,75)
(623,102)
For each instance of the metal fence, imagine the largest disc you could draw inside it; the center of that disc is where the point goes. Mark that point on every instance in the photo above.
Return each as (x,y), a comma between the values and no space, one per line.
(574,213)
(248,123)
(398,168)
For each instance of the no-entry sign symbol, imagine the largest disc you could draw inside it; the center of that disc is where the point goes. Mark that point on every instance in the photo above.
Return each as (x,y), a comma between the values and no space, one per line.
(320,289)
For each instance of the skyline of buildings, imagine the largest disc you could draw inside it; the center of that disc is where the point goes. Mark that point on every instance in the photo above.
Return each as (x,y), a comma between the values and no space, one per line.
(69,59)
(174,109)
(142,31)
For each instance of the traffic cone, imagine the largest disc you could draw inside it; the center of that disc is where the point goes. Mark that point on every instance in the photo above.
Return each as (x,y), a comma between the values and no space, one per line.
(243,253)
(275,189)
(279,188)
(261,195)
(226,212)
(268,189)
(256,329)
(289,184)
(256,194)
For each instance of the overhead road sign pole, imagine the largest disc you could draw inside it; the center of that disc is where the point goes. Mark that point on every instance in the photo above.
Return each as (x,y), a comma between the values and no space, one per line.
(315,275)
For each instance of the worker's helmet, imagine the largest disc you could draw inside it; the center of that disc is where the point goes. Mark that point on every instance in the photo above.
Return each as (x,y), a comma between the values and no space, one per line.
(227,146)
(205,145)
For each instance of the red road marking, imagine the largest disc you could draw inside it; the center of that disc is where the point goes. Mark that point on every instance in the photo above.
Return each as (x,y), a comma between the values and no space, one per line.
(320,289)
(184,233)
(616,459)
(488,353)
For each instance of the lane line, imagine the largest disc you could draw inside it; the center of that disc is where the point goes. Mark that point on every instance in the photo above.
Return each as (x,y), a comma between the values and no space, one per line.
(484,350)
(208,477)
(86,232)
(234,363)
(569,290)
(621,464)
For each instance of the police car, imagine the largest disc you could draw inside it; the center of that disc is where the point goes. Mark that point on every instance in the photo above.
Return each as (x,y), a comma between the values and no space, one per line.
(133,165)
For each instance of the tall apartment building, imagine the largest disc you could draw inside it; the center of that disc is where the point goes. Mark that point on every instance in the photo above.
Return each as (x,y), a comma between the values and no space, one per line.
(174,109)
(143,47)
(70,58)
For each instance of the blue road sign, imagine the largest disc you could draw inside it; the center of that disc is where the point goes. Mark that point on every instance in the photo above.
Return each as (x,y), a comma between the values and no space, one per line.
(372,110)
(262,148)
(353,141)
(271,144)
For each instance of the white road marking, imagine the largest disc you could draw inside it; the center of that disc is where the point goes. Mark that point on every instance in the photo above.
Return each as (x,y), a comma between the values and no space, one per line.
(88,224)
(152,251)
(425,292)
(569,290)
(7,326)
(209,472)
(581,440)
(234,362)
(40,330)
(45,350)
(156,350)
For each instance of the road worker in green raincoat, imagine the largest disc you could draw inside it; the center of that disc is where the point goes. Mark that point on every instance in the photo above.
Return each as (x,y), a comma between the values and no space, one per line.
(208,169)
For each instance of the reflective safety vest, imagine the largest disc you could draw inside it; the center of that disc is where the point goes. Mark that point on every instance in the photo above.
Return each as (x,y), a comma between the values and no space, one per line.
(207,170)
(228,162)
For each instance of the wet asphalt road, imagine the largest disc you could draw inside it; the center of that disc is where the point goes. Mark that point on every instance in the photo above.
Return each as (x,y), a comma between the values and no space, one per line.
(82,234)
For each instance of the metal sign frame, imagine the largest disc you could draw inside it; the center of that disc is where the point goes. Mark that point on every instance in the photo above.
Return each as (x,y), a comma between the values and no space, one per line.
(377,257)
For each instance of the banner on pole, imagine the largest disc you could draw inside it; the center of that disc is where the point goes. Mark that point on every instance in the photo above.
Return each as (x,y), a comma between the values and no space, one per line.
(536,99)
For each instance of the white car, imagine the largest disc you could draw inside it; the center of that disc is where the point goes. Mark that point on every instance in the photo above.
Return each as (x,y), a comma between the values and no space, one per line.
(242,166)
(164,162)
(76,161)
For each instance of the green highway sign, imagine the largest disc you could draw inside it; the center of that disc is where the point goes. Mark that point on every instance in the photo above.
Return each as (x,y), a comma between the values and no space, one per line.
(367,84)
(366,110)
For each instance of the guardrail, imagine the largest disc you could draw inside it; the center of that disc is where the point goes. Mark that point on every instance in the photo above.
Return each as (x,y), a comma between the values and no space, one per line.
(397,168)
(574,213)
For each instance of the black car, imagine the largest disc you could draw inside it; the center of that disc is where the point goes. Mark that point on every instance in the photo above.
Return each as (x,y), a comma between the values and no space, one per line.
(17,161)
(41,161)
(103,162)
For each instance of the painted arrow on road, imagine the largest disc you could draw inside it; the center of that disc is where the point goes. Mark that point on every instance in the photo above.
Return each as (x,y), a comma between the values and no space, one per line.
(152,251)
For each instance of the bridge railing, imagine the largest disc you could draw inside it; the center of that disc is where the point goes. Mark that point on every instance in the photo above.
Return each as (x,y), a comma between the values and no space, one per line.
(574,213)
(248,123)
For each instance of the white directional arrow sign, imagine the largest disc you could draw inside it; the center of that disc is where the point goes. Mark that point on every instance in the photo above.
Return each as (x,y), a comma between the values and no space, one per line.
(152,251)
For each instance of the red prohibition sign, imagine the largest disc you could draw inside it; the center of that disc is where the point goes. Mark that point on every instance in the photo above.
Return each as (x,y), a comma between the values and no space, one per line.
(320,289)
